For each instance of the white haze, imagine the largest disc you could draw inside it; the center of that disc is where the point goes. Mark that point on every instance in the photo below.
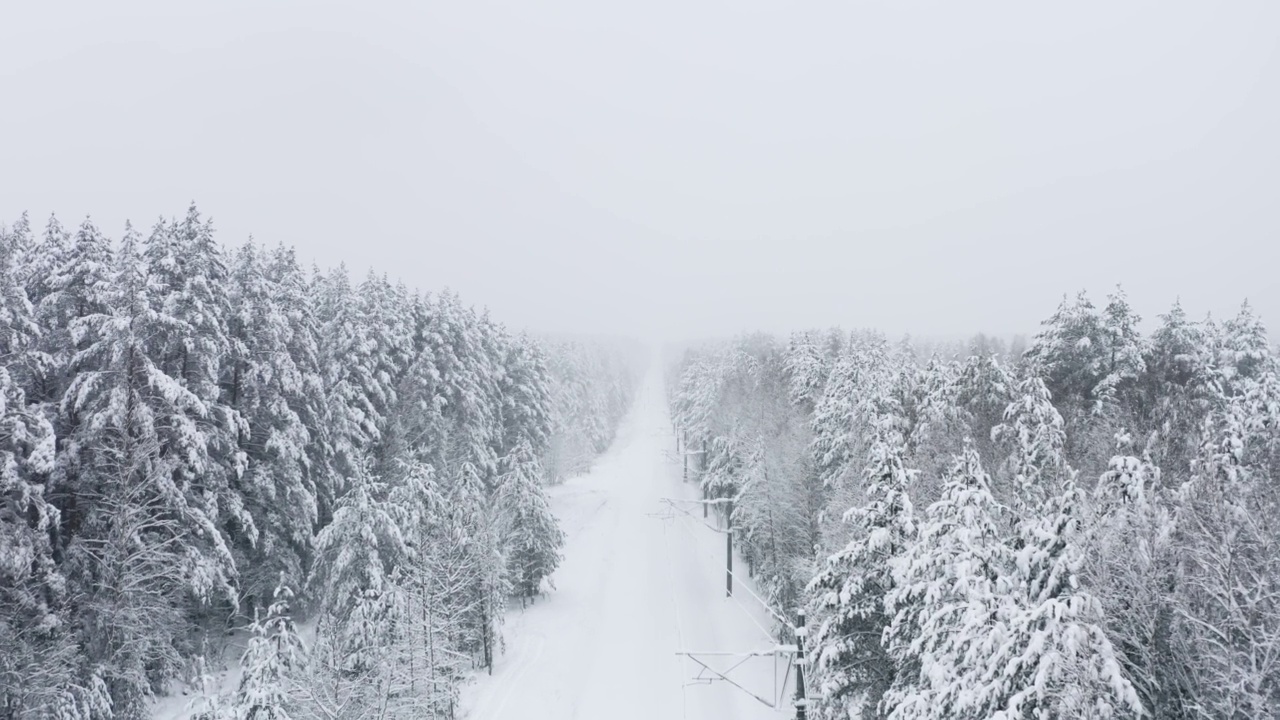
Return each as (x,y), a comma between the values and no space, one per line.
(681,167)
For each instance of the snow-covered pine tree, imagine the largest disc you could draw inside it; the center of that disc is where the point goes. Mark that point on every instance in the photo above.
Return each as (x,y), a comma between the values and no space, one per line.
(1178,390)
(415,420)
(36,652)
(383,678)
(699,391)
(1035,437)
(832,418)
(858,388)
(347,372)
(1242,350)
(983,390)
(273,654)
(1123,348)
(388,331)
(384,645)
(78,286)
(491,346)
(263,385)
(468,387)
(79,290)
(469,579)
(1091,362)
(807,369)
(40,264)
(524,390)
(941,425)
(66,282)
(356,555)
(1131,563)
(1047,654)
(142,542)
(774,520)
(294,300)
(950,586)
(727,469)
(415,498)
(852,668)
(20,331)
(576,423)
(18,244)
(1069,354)
(202,306)
(188,282)
(1228,602)
(532,534)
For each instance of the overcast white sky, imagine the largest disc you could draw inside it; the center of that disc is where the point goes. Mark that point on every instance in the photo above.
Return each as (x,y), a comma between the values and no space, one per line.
(700,167)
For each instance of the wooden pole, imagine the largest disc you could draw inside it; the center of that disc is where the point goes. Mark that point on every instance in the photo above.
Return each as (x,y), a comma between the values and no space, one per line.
(801,701)
(728,553)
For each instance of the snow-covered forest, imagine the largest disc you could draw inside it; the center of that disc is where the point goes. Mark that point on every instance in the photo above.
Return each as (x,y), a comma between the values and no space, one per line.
(572,360)
(200,442)
(206,448)
(1084,529)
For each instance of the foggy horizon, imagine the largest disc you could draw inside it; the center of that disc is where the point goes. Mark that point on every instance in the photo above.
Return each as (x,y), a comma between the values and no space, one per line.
(682,171)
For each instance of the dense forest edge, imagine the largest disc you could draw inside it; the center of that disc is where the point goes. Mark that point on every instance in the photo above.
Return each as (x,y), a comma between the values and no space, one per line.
(213,457)
(1084,527)
(198,443)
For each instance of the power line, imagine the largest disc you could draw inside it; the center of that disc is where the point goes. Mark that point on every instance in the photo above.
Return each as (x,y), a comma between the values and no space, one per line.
(675,605)
(768,633)
(763,603)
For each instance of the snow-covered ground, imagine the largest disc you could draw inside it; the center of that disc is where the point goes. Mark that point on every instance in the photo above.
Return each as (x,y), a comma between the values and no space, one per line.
(633,588)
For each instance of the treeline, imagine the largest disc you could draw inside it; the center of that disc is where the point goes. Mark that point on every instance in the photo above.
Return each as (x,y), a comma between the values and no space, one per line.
(1086,529)
(591,389)
(194,439)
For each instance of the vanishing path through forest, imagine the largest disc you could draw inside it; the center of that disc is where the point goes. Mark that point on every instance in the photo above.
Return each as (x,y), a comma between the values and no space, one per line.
(633,588)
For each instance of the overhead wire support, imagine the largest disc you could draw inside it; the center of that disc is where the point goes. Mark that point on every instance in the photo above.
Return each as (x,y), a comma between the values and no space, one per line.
(787,658)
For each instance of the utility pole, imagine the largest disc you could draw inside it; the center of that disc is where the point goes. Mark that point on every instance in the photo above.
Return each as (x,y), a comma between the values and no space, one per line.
(728,552)
(802,702)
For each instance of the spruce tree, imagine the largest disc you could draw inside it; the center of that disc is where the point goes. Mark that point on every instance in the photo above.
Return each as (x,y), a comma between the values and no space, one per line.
(533,536)
(852,668)
(807,369)
(356,555)
(19,329)
(348,372)
(1178,389)
(41,264)
(524,392)
(1131,562)
(143,541)
(272,655)
(1048,654)
(305,385)
(1227,599)
(35,649)
(470,547)
(1034,434)
(950,588)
